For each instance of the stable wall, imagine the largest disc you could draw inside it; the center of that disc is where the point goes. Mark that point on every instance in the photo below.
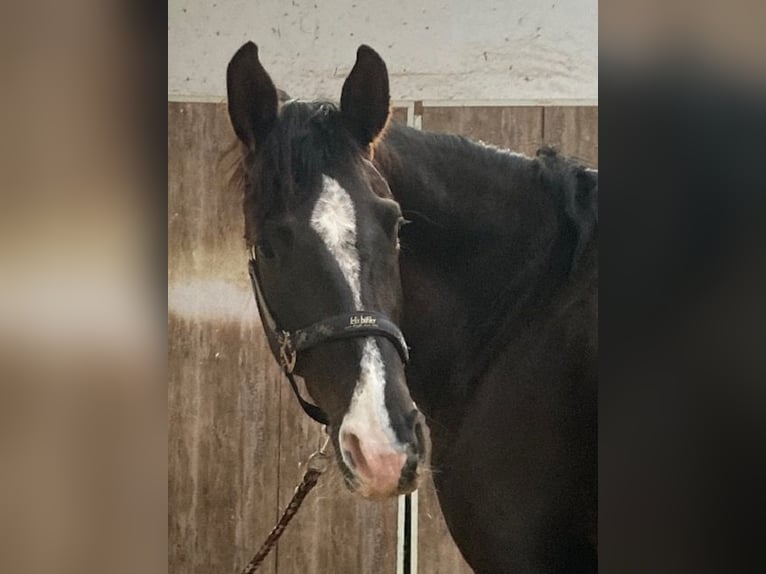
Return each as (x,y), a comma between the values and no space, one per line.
(237,435)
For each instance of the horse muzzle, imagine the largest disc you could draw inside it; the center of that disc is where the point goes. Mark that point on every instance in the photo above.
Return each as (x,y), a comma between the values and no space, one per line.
(380,468)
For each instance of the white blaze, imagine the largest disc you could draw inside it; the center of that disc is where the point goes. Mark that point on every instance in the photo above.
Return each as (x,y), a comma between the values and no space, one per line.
(334,220)
(367,416)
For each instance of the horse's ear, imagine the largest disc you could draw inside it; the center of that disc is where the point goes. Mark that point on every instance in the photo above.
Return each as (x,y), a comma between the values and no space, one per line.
(252,96)
(365,101)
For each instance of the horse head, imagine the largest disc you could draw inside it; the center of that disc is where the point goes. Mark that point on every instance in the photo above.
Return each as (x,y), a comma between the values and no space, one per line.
(322,226)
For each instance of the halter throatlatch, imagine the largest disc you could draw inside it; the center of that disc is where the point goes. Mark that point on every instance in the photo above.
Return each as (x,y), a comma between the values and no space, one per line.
(285,345)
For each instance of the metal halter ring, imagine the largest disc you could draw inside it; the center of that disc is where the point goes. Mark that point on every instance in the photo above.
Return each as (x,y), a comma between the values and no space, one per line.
(319,460)
(287,354)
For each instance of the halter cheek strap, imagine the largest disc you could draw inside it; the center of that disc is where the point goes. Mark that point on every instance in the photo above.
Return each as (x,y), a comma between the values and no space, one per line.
(285,345)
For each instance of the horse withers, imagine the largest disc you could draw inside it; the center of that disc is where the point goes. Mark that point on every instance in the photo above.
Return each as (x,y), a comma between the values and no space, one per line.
(493,283)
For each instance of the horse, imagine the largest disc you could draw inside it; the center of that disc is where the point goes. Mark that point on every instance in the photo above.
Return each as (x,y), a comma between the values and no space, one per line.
(484,261)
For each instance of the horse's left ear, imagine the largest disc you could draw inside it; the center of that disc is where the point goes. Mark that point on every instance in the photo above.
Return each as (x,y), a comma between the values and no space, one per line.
(365,101)
(582,209)
(253,99)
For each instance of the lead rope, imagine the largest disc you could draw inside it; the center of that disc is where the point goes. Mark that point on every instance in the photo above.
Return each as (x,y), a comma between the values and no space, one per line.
(315,465)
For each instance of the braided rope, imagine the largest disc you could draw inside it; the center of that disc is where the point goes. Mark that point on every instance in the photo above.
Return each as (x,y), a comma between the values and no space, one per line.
(316,465)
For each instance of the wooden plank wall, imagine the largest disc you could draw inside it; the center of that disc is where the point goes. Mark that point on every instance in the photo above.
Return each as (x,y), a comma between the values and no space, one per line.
(222,443)
(571,129)
(236,434)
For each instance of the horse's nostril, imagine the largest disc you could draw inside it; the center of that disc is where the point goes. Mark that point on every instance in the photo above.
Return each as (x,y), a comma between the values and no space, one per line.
(349,458)
(352,449)
(377,465)
(409,472)
(420,439)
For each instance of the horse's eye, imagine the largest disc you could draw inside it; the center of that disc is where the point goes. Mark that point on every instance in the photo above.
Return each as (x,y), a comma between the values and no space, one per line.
(275,240)
(389,217)
(401,222)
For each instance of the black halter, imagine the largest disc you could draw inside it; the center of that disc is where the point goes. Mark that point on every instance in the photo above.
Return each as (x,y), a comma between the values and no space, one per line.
(285,345)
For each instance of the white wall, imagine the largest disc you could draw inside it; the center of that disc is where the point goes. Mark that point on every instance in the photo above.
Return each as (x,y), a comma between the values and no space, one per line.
(521,50)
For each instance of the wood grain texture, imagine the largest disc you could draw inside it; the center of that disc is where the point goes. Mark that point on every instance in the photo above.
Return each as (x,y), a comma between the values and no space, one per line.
(573,130)
(519,129)
(399,115)
(437,553)
(236,435)
(223,444)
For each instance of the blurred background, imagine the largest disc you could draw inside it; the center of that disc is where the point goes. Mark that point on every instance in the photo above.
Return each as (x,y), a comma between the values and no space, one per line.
(682,283)
(82,312)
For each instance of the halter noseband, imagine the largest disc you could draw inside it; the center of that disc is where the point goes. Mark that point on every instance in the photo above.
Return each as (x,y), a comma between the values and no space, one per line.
(285,345)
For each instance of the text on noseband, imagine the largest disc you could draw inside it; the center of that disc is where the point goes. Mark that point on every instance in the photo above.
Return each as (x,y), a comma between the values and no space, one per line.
(362,320)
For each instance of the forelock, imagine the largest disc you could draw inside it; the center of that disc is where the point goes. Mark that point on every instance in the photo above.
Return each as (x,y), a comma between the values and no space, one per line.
(307,138)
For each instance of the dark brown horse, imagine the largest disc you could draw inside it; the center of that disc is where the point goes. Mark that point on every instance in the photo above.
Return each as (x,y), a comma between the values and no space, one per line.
(493,281)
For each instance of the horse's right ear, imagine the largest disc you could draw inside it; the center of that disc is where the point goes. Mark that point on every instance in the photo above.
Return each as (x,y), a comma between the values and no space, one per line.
(252,96)
(365,102)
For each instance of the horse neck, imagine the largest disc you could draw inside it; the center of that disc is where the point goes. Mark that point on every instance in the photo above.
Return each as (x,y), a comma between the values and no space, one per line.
(455,183)
(475,262)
